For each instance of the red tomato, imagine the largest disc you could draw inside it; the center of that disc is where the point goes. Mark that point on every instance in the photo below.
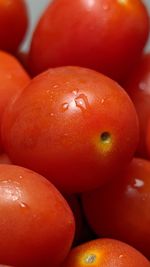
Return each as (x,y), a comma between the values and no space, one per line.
(13,79)
(13,24)
(138,88)
(36,225)
(121,209)
(73,125)
(106,35)
(105,253)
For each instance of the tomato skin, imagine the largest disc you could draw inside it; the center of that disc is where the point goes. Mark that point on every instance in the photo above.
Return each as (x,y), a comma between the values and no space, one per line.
(138,88)
(72,111)
(37,225)
(13,24)
(4,159)
(13,79)
(85,33)
(105,253)
(120,209)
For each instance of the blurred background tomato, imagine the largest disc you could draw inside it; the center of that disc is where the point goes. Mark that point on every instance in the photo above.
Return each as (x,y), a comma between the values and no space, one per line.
(40,7)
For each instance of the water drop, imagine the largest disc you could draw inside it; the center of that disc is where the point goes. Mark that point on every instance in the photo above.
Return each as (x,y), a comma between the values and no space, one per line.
(82,102)
(20,176)
(23,205)
(142,86)
(75,92)
(55,86)
(65,106)
(138,183)
(102,100)
(120,256)
(52,114)
(90,258)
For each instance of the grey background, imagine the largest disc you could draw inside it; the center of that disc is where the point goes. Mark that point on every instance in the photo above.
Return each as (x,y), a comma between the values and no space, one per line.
(36,7)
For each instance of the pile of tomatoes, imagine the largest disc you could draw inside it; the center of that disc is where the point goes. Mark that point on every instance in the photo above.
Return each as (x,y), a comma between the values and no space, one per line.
(75,135)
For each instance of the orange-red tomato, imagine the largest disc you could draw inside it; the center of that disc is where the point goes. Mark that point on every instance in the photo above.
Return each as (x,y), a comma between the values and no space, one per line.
(13,79)
(138,88)
(13,24)
(121,209)
(105,253)
(105,35)
(36,225)
(73,125)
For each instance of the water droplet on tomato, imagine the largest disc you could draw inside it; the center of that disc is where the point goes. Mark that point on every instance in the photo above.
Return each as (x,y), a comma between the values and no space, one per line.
(138,183)
(55,86)
(82,102)
(65,106)
(90,258)
(75,92)
(23,205)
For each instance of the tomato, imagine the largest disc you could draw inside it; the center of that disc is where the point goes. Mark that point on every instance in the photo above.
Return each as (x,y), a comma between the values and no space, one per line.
(121,209)
(13,79)
(13,24)
(105,35)
(105,253)
(37,225)
(67,125)
(138,88)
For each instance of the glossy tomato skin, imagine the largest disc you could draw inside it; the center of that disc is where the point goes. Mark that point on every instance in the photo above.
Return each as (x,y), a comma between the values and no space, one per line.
(105,35)
(121,209)
(13,24)
(105,253)
(67,125)
(13,79)
(138,89)
(37,225)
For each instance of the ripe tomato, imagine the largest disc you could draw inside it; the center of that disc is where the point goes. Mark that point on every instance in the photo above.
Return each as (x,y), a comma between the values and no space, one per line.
(106,35)
(138,89)
(13,24)
(37,225)
(105,253)
(13,79)
(122,209)
(67,125)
